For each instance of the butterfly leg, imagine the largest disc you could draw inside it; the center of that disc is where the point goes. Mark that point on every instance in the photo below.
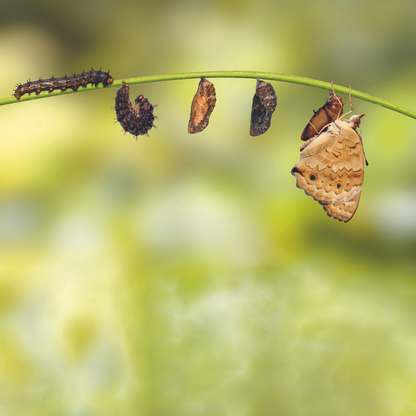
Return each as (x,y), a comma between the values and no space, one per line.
(307,142)
(309,122)
(352,107)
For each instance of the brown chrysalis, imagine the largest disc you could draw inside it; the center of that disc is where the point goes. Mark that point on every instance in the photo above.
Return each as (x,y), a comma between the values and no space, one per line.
(64,83)
(202,106)
(264,104)
(328,113)
(135,118)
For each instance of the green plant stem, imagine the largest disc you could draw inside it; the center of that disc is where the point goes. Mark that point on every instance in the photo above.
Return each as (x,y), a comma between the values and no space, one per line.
(230,74)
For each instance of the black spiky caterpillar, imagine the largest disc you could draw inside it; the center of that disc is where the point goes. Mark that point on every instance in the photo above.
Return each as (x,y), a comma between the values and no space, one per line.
(63,83)
(135,118)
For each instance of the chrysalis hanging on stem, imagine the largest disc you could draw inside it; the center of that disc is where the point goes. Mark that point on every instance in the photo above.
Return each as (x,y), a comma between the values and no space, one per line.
(202,106)
(264,104)
(328,113)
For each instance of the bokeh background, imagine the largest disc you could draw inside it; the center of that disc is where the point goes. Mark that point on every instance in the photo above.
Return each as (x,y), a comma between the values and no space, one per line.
(186,274)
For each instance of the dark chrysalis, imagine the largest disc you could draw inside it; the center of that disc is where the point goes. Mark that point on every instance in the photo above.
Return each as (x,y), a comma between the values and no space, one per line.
(264,104)
(328,113)
(63,83)
(135,118)
(202,106)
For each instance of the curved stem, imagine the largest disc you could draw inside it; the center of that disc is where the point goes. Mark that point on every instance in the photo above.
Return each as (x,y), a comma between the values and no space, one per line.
(231,74)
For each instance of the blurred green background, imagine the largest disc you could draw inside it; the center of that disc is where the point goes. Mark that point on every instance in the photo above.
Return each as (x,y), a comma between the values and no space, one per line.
(186,274)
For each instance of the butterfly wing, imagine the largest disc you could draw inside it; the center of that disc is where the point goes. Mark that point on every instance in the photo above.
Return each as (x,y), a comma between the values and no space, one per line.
(344,211)
(331,169)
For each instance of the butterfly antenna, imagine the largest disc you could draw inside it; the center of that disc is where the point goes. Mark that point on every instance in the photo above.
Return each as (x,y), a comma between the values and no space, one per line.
(357,122)
(361,137)
(365,157)
(352,107)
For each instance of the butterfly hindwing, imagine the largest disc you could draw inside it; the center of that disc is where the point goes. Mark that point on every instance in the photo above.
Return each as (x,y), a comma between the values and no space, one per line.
(331,169)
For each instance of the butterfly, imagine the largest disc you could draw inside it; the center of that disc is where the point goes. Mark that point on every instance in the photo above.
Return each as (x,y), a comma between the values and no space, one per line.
(331,167)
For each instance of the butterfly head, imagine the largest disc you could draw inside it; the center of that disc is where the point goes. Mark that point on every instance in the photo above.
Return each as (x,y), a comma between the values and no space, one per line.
(356,119)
